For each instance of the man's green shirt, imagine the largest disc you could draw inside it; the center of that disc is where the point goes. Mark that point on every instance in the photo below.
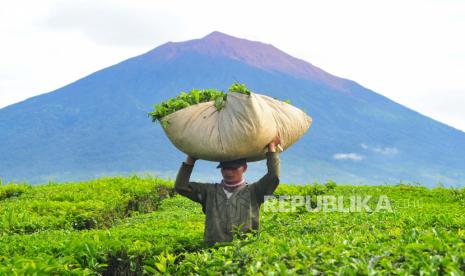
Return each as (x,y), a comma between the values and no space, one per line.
(223,214)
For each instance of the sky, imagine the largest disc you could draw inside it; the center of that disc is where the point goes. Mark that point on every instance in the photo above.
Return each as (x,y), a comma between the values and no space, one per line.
(410,51)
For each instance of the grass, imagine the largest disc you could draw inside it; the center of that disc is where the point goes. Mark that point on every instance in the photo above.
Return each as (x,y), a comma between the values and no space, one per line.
(134,226)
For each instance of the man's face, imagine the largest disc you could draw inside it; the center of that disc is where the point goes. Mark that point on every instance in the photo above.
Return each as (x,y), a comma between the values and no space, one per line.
(233,174)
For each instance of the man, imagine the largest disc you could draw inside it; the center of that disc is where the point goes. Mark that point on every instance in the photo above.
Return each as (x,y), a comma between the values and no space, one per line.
(233,203)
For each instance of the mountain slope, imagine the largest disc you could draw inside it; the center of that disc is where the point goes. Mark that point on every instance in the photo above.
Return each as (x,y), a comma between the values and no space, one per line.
(99,125)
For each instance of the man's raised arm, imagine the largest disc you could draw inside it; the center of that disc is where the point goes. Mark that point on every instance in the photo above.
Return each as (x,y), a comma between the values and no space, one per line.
(269,182)
(192,190)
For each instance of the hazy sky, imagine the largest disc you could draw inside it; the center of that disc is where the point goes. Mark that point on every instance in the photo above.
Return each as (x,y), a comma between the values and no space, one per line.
(410,51)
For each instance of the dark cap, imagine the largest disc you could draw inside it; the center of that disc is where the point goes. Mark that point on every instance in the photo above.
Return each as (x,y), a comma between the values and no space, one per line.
(232,164)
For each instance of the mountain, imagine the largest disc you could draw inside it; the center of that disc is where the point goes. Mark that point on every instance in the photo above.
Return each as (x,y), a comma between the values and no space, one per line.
(98,125)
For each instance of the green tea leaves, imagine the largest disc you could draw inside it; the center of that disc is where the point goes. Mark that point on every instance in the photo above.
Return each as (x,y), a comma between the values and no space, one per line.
(219,103)
(144,228)
(183,100)
(239,88)
(195,96)
(165,123)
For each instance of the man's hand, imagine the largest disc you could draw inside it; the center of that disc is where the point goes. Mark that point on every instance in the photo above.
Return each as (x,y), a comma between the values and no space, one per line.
(190,160)
(275,142)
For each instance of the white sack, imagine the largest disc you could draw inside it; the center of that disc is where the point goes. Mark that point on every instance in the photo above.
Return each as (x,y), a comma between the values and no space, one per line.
(241,129)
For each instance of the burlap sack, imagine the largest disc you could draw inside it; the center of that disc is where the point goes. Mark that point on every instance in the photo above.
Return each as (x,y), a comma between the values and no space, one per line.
(241,129)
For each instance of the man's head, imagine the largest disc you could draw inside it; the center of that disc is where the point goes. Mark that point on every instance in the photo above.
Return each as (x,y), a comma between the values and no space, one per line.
(232,171)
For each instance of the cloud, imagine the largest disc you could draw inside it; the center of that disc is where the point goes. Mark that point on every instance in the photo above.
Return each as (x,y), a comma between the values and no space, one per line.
(112,24)
(348,156)
(388,151)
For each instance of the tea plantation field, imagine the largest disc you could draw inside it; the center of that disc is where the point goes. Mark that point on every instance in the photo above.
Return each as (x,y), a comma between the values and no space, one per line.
(139,225)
